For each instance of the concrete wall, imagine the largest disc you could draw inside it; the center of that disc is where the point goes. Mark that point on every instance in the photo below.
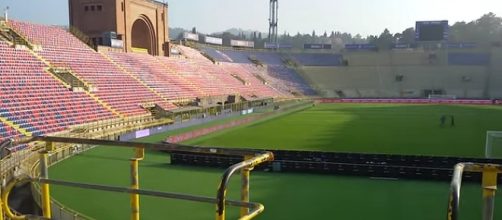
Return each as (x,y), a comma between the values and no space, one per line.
(93,22)
(119,16)
(373,74)
(495,82)
(390,58)
(178,125)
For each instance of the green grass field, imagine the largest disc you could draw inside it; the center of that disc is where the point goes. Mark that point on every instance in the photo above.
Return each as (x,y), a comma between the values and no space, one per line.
(403,129)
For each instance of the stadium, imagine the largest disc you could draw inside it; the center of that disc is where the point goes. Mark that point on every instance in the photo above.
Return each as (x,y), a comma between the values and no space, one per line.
(109,118)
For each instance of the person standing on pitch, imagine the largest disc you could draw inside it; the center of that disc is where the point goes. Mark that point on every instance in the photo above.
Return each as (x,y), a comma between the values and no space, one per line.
(452,121)
(442,120)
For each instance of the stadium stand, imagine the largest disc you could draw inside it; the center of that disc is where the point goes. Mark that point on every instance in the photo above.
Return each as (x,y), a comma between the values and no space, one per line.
(268,58)
(237,56)
(274,73)
(321,59)
(37,102)
(468,59)
(251,78)
(381,81)
(7,132)
(203,73)
(217,55)
(288,77)
(150,70)
(120,91)
(48,36)
(388,58)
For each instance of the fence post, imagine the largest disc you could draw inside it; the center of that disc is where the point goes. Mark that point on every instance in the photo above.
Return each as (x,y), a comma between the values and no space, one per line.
(135,208)
(44,174)
(489,188)
(245,178)
(1,206)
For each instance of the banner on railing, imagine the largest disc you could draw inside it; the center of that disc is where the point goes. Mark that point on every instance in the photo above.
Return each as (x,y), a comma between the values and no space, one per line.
(277,46)
(142,133)
(360,47)
(213,40)
(317,46)
(241,43)
(190,36)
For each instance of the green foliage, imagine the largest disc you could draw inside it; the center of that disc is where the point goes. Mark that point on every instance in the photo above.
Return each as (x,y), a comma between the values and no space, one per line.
(487,29)
(384,41)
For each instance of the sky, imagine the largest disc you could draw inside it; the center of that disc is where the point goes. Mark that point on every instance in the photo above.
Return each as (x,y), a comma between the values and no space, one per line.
(366,17)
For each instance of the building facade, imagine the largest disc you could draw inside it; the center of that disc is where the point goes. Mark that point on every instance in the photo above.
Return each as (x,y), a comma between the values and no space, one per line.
(134,25)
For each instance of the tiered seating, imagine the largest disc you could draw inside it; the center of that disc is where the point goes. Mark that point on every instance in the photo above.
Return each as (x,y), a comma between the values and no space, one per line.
(238,56)
(7,132)
(321,59)
(48,36)
(37,102)
(190,52)
(151,71)
(203,74)
(469,59)
(216,54)
(274,79)
(289,77)
(122,92)
(276,74)
(255,87)
(215,80)
(269,58)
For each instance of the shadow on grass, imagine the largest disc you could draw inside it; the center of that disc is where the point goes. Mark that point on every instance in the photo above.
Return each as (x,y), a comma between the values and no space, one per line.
(412,129)
(364,128)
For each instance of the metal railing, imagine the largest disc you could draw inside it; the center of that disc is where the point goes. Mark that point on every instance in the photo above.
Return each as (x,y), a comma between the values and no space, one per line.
(252,158)
(26,160)
(489,184)
(58,209)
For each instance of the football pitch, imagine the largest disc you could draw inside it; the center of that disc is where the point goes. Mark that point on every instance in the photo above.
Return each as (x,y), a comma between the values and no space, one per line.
(383,128)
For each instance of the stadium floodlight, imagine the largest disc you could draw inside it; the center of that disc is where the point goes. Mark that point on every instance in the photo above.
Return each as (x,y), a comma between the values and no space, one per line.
(273,21)
(493,146)
(6,13)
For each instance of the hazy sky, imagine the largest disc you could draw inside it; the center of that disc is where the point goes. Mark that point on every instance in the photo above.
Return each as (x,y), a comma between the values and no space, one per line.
(354,16)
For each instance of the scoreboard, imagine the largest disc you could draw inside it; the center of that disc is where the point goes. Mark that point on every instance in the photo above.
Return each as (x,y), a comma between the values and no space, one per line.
(431,31)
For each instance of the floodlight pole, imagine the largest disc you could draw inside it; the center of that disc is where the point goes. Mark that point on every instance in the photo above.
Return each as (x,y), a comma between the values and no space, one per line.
(273,21)
(6,13)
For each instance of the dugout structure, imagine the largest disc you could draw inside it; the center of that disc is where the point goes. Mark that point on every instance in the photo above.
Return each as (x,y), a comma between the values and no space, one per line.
(250,159)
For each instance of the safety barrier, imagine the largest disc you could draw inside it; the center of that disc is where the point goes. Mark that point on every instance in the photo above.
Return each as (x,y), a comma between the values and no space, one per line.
(489,184)
(252,158)
(415,101)
(26,160)
(59,210)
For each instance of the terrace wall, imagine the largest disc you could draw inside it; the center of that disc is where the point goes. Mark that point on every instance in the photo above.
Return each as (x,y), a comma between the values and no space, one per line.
(381,81)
